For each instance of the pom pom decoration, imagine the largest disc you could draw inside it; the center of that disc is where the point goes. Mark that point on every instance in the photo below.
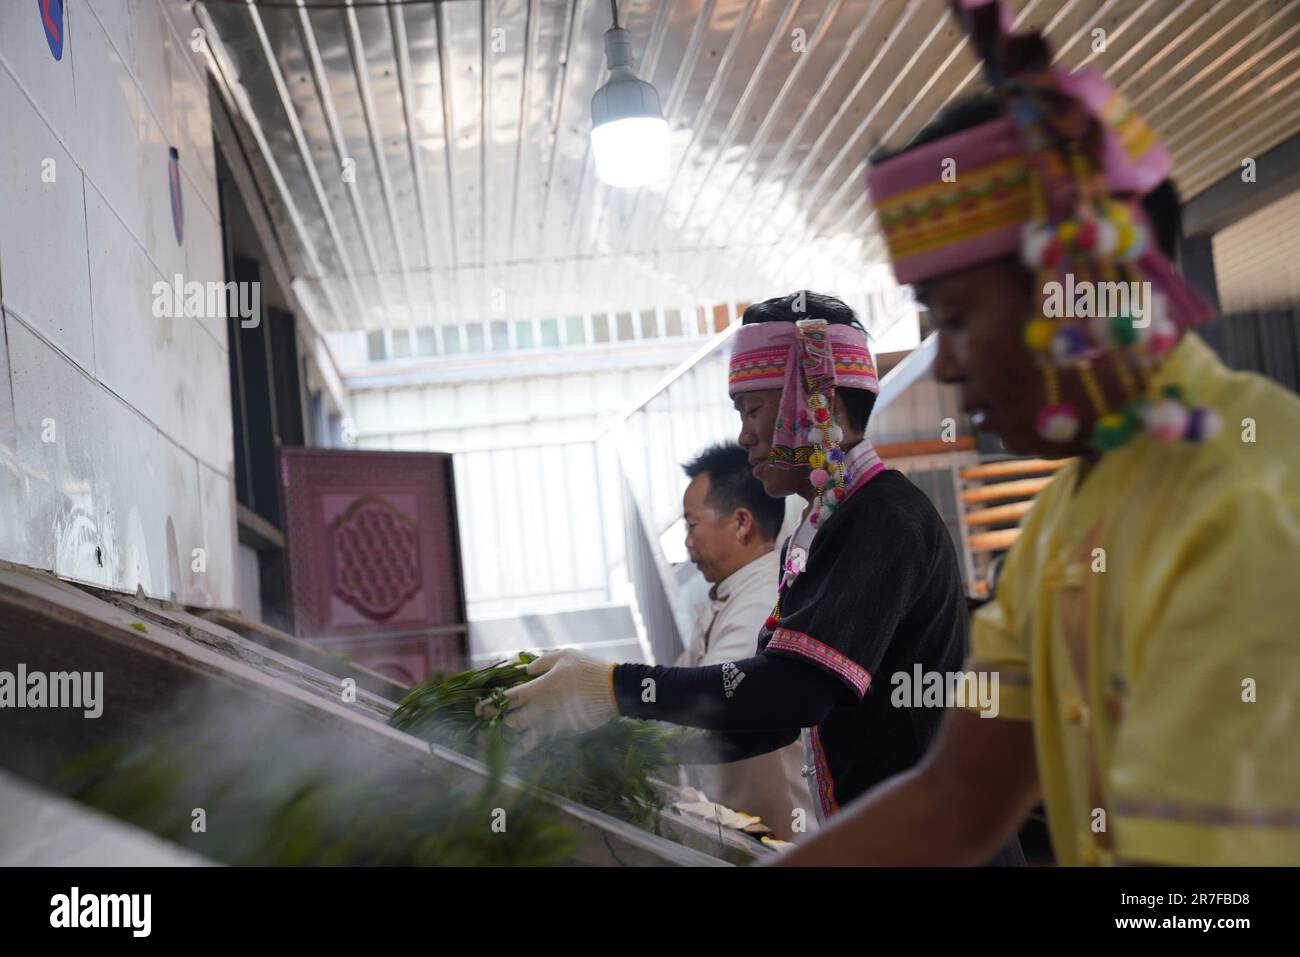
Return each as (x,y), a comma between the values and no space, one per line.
(1124,238)
(1202,425)
(1122,331)
(1112,431)
(1099,241)
(1086,236)
(1057,422)
(835,434)
(1161,337)
(1165,420)
(1107,237)
(1118,212)
(821,415)
(819,477)
(1039,334)
(1069,343)
(1175,392)
(815,437)
(1033,242)
(817,460)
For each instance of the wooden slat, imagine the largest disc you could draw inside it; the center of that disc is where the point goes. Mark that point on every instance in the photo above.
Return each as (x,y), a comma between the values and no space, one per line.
(998,513)
(255,531)
(1009,467)
(993,541)
(901,450)
(1022,488)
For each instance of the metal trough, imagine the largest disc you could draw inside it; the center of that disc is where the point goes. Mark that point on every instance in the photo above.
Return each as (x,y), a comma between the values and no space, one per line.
(156,661)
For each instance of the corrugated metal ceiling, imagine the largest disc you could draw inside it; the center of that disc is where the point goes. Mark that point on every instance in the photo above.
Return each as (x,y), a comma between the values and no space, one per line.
(470,189)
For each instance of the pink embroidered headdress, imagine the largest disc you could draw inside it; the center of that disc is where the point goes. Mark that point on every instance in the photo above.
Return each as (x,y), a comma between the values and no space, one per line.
(807,360)
(1058,178)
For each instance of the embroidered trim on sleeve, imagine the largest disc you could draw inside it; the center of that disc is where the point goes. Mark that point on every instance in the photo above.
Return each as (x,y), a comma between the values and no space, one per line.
(796,642)
(825,783)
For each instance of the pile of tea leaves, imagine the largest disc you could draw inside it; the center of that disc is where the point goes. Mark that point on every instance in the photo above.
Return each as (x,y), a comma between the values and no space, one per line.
(239,789)
(611,769)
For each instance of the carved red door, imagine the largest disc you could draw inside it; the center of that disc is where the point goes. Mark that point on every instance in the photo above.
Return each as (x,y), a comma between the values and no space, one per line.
(374,558)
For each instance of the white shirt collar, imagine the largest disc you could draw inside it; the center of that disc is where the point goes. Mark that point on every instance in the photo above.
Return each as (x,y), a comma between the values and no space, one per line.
(765,566)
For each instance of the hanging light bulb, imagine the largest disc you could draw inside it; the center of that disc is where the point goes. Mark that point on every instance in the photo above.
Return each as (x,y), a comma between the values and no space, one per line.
(629,136)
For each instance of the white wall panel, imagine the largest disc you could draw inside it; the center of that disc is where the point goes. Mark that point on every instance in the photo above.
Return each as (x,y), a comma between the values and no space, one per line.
(129,341)
(139,33)
(191,130)
(203,261)
(218,537)
(42,228)
(110,501)
(159,237)
(168,368)
(205,428)
(138,474)
(111,119)
(12,533)
(48,81)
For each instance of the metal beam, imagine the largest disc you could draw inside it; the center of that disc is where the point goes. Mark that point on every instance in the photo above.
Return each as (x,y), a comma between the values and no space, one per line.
(1230,199)
(236,97)
(341,152)
(1196,262)
(361,70)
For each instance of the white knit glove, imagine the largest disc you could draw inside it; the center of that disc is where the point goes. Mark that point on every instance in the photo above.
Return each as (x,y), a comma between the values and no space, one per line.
(575,693)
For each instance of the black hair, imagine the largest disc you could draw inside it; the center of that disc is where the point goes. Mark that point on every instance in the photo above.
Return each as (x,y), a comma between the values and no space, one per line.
(1162,204)
(732,485)
(806,304)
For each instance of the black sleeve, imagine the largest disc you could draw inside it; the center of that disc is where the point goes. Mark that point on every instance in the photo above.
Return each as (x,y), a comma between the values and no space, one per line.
(862,577)
(723,747)
(763,694)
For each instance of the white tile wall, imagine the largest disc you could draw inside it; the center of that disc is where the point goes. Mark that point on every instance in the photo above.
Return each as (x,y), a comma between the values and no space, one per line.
(48,81)
(218,537)
(104,499)
(139,473)
(203,261)
(138,31)
(11,527)
(114,128)
(170,369)
(191,119)
(42,227)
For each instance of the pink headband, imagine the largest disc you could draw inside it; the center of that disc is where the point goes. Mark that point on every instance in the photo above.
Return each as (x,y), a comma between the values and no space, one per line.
(800,358)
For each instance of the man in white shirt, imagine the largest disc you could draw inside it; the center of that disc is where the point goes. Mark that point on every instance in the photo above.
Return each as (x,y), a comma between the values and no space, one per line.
(732,527)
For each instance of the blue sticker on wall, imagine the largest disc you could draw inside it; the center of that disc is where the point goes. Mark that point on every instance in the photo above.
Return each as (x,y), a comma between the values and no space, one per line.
(52,21)
(174,184)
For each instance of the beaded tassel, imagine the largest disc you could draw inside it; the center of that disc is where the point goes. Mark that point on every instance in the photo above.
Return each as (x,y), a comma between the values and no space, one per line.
(1099,244)
(828,475)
